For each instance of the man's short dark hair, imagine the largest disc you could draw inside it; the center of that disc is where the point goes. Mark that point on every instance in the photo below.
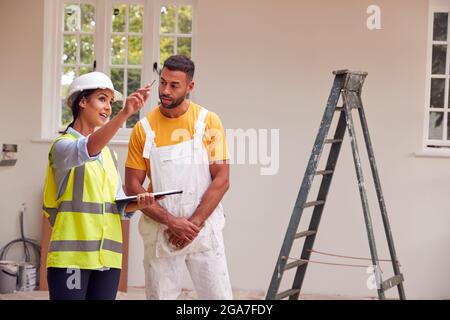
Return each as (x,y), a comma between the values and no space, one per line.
(180,63)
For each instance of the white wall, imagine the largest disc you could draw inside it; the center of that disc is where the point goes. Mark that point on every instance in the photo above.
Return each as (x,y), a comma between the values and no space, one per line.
(21,25)
(267,64)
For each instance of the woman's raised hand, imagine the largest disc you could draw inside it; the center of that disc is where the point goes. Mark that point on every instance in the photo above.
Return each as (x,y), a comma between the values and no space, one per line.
(136,100)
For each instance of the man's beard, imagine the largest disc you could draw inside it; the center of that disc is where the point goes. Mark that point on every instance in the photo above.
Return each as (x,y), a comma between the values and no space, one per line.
(173,104)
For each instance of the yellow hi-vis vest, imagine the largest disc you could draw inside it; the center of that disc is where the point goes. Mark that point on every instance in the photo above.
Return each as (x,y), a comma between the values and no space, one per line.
(86,225)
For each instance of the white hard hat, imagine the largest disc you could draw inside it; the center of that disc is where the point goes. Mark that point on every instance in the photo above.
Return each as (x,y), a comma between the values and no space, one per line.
(91,80)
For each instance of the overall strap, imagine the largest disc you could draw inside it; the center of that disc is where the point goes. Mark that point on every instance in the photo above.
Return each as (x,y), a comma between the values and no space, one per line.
(200,126)
(149,137)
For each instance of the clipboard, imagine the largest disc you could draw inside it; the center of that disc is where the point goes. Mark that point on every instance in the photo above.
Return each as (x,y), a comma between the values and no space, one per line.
(155,194)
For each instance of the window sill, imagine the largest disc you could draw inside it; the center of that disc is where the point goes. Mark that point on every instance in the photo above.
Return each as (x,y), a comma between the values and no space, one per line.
(432,154)
(117,142)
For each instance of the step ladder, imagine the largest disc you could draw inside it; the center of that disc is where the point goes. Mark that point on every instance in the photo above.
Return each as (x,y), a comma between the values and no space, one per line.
(348,85)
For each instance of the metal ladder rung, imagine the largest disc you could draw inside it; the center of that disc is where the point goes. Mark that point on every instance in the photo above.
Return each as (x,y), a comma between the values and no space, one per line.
(295,264)
(286,293)
(313,203)
(392,282)
(324,172)
(304,234)
(327,141)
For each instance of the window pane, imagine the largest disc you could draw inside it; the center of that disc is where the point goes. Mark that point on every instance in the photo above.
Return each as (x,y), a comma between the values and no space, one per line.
(136,13)
(116,107)
(131,121)
(134,49)
(84,70)
(439,59)
(435,126)
(134,80)
(448,126)
(70,49)
(86,49)
(440,26)
(437,93)
(69,74)
(67,77)
(167,48)
(118,18)
(185,19)
(66,114)
(184,46)
(117,76)
(168,19)
(134,83)
(72,17)
(87,18)
(118,49)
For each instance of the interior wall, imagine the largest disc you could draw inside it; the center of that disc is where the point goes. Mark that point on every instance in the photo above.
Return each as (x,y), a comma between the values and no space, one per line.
(21,35)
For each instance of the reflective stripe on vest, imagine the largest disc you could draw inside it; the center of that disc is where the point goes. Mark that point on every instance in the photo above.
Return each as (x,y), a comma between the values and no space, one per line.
(82,207)
(86,245)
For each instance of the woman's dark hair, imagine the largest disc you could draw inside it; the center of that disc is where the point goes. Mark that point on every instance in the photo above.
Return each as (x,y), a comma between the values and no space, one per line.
(75,107)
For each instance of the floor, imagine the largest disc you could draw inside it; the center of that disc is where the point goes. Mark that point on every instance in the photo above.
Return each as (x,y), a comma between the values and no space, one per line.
(137,293)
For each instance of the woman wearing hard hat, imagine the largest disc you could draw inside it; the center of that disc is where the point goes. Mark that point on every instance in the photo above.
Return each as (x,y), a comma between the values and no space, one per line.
(85,251)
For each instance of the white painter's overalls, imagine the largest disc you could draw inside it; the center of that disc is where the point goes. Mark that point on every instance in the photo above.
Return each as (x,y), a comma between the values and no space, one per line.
(183,166)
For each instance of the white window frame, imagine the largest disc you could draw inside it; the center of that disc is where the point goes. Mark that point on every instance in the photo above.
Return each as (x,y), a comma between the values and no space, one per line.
(430,146)
(51,74)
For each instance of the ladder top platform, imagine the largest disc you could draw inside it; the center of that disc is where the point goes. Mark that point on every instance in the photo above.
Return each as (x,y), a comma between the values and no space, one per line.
(361,73)
(354,80)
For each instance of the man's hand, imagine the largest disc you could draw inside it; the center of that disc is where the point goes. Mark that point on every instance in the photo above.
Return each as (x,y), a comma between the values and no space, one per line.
(178,242)
(182,228)
(175,241)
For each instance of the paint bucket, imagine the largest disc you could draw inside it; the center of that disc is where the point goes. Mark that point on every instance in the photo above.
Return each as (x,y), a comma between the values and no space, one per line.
(8,276)
(26,277)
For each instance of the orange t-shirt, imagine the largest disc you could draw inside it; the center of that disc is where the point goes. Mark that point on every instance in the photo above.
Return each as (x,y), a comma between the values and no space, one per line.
(170,131)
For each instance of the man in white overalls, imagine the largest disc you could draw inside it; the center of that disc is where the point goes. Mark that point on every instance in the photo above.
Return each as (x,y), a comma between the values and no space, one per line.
(180,145)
